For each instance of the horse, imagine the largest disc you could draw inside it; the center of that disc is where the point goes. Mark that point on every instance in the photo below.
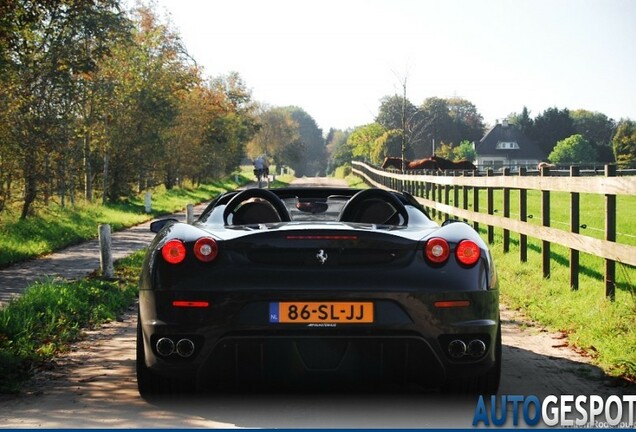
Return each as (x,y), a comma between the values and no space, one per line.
(394,162)
(422,164)
(449,165)
(545,165)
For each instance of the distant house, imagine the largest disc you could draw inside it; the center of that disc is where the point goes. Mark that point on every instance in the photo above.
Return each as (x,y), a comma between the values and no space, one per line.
(505,146)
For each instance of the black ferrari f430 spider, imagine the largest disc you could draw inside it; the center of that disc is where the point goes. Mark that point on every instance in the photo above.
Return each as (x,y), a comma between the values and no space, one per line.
(305,286)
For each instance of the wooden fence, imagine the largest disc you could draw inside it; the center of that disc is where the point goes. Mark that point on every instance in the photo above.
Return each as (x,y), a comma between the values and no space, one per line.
(434,191)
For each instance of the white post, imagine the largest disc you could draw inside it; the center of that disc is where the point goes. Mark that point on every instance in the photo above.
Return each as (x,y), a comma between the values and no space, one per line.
(189,214)
(106,256)
(148,202)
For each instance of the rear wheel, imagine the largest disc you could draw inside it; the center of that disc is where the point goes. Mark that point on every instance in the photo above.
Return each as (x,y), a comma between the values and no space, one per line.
(486,384)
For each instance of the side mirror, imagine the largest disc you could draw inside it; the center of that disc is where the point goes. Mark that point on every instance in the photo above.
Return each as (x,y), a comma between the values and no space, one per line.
(157,225)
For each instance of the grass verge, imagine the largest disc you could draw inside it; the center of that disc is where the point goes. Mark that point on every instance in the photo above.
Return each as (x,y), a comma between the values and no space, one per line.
(55,227)
(50,315)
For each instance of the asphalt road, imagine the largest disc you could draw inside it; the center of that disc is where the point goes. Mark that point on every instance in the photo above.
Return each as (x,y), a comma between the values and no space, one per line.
(94,386)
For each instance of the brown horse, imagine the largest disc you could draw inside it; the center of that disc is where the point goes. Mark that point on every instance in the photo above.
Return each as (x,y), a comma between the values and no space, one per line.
(394,163)
(423,164)
(449,165)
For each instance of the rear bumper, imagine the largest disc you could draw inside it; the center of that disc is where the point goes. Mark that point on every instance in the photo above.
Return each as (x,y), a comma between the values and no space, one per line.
(236,345)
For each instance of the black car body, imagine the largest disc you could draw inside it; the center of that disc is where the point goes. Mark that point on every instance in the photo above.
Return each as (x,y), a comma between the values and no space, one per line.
(302,286)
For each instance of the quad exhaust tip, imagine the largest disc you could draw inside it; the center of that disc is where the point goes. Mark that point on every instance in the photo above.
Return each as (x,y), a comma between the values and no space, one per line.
(476,348)
(457,348)
(185,348)
(165,346)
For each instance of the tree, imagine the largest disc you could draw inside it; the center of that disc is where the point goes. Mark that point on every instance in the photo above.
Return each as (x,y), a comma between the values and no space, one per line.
(277,137)
(551,126)
(313,160)
(467,120)
(624,143)
(465,151)
(598,129)
(46,48)
(339,151)
(401,122)
(368,142)
(523,121)
(574,149)
(437,127)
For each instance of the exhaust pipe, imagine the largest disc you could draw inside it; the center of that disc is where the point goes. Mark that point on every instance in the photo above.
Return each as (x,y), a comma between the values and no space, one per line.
(185,347)
(457,348)
(165,346)
(476,348)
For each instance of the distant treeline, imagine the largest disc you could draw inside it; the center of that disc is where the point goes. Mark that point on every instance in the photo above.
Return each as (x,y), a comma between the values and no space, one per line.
(447,128)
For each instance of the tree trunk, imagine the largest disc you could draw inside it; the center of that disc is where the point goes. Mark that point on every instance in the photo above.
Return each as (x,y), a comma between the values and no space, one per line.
(30,177)
(106,180)
(88,169)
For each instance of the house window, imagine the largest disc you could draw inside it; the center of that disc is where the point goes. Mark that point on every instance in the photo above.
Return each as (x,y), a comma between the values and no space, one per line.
(507,145)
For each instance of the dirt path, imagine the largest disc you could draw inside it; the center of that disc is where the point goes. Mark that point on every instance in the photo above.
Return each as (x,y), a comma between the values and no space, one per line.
(94,386)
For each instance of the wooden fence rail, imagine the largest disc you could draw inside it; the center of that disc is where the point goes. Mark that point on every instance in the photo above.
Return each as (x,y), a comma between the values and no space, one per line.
(434,191)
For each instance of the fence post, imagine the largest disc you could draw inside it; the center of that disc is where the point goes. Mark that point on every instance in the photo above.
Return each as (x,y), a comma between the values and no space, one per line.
(610,235)
(490,202)
(465,199)
(189,214)
(456,196)
(106,255)
(523,217)
(148,202)
(506,212)
(574,228)
(476,206)
(545,221)
(447,188)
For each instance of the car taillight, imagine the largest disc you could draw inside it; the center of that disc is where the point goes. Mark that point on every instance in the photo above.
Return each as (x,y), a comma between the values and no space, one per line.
(467,252)
(206,249)
(173,251)
(437,250)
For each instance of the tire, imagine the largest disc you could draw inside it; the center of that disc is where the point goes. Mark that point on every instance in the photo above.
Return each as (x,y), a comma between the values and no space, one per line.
(486,384)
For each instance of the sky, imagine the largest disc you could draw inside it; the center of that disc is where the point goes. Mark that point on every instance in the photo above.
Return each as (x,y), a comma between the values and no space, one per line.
(336,59)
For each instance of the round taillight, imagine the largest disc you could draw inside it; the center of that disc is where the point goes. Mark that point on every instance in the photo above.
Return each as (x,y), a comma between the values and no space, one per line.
(206,249)
(437,250)
(467,252)
(173,251)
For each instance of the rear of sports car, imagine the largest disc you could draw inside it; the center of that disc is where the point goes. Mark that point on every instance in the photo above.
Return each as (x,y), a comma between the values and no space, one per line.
(304,304)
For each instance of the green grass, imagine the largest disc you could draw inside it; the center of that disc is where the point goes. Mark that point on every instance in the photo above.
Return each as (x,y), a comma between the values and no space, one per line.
(54,227)
(50,315)
(604,330)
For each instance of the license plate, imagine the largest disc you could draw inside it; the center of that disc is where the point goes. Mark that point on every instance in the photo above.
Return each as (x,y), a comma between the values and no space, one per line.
(321,312)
